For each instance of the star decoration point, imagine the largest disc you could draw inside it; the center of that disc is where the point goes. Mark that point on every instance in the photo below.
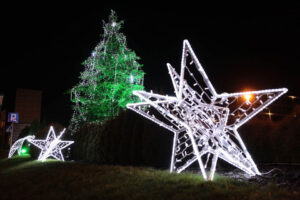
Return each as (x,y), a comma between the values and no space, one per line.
(204,122)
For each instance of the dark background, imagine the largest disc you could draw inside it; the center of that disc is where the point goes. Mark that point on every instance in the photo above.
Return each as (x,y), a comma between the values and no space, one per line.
(44,46)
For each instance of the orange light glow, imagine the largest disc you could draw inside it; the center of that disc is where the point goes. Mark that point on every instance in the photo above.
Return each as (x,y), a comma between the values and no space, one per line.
(247,97)
(293,97)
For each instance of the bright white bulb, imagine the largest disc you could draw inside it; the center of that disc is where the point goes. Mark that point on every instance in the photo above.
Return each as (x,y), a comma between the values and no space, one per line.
(113,24)
(247,97)
(131,78)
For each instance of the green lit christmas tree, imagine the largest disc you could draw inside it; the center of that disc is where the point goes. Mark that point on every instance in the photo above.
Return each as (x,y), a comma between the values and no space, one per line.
(111,73)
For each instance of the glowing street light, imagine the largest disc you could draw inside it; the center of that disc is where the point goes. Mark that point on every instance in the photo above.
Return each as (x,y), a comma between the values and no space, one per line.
(247,97)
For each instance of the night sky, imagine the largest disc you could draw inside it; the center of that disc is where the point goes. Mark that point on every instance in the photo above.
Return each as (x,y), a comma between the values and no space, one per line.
(45,46)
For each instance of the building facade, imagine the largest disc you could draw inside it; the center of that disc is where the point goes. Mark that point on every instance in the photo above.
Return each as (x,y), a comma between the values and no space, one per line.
(28,105)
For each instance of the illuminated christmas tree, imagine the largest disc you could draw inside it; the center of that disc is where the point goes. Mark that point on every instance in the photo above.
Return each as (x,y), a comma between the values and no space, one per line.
(111,74)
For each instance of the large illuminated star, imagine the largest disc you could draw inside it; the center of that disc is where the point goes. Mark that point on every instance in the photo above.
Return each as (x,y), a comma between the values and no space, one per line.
(52,146)
(204,122)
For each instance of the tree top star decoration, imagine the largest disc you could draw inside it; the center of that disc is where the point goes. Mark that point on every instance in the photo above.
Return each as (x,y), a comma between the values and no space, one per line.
(52,146)
(204,122)
(17,146)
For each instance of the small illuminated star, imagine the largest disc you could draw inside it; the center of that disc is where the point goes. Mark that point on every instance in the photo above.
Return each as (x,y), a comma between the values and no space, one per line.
(52,146)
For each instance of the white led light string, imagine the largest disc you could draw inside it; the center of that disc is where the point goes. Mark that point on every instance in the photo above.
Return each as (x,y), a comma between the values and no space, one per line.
(204,122)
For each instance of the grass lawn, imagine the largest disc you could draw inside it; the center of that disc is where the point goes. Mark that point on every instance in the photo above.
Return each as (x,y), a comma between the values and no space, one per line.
(23,178)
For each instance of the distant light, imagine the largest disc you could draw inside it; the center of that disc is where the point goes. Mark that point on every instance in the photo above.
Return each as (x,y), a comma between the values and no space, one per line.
(93,53)
(292,97)
(113,24)
(269,114)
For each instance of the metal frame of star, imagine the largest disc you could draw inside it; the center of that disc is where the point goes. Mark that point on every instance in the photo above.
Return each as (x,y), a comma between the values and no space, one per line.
(204,122)
(52,145)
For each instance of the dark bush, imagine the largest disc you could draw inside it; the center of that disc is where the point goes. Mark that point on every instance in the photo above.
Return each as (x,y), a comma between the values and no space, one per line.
(270,141)
(126,140)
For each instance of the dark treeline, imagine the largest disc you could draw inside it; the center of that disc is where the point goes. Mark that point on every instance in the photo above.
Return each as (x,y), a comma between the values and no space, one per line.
(274,141)
(130,139)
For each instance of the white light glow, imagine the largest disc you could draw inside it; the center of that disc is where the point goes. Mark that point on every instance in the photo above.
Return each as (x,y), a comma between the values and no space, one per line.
(17,146)
(204,122)
(131,78)
(52,146)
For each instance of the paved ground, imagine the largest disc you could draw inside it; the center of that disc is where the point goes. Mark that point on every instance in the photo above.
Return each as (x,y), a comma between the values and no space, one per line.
(283,175)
